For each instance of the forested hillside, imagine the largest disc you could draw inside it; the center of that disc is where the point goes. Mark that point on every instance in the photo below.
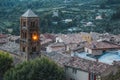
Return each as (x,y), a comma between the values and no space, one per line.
(11,10)
(78,11)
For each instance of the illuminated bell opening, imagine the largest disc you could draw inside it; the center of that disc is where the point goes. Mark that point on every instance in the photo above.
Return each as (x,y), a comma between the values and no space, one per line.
(34,36)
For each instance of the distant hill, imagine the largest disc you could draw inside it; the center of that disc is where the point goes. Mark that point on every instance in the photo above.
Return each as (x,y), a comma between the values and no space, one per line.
(107,2)
(11,10)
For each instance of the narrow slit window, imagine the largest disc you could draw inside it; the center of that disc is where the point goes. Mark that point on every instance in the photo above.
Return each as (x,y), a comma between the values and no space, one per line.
(24,23)
(33,49)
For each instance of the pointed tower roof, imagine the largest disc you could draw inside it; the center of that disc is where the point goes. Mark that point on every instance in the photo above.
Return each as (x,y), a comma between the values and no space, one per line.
(29,13)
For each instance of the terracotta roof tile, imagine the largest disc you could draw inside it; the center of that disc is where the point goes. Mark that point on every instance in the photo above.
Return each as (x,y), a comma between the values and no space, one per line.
(87,65)
(102,45)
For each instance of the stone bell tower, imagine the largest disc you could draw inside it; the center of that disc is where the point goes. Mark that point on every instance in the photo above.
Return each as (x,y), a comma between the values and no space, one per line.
(29,35)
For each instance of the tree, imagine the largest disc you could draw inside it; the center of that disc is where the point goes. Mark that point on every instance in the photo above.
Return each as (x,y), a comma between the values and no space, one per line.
(5,62)
(113,76)
(38,69)
(116,15)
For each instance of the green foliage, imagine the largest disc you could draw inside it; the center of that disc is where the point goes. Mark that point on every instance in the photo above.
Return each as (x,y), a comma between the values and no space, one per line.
(11,10)
(5,62)
(113,76)
(113,1)
(38,69)
(116,15)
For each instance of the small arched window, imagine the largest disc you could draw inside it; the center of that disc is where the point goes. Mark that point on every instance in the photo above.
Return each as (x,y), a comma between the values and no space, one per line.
(23,49)
(32,24)
(24,23)
(35,36)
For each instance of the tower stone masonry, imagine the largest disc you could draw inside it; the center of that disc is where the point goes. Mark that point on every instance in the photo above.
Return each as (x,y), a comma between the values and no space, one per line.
(29,35)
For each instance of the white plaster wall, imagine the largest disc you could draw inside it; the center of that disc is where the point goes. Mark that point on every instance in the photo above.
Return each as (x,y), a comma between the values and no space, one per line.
(88,50)
(79,75)
(48,49)
(58,39)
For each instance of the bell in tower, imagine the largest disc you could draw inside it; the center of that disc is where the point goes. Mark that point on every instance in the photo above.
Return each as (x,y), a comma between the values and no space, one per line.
(29,35)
